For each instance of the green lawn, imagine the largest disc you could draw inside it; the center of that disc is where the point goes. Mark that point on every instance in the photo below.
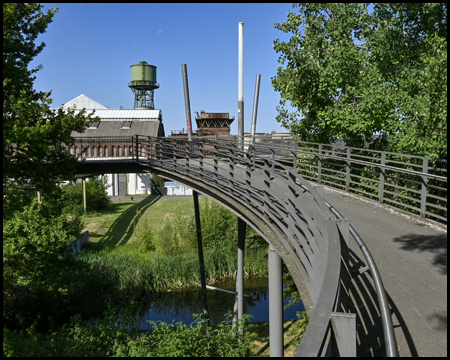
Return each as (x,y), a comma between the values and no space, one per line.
(115,226)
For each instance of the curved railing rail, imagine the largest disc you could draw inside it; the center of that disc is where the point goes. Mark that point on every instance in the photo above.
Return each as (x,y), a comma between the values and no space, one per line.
(261,184)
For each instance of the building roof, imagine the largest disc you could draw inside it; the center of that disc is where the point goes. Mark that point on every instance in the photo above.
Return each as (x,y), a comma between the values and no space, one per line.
(104,113)
(83,101)
(115,122)
(115,128)
(138,115)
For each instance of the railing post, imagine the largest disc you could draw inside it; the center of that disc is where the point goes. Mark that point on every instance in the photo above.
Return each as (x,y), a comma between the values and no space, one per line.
(347,171)
(382,177)
(344,329)
(319,166)
(423,197)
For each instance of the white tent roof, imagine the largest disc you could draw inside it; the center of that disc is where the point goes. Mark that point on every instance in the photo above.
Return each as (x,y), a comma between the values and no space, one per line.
(84,101)
(106,114)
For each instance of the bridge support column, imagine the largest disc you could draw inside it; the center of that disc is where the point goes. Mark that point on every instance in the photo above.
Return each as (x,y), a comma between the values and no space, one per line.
(200,255)
(276,339)
(238,310)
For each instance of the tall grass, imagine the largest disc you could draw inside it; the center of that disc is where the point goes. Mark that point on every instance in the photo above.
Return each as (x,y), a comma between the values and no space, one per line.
(166,257)
(137,272)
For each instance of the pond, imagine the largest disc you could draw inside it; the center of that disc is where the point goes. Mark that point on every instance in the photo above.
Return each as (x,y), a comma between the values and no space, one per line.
(179,305)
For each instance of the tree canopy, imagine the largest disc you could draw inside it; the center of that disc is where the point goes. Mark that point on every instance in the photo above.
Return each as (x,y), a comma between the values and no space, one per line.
(32,131)
(352,71)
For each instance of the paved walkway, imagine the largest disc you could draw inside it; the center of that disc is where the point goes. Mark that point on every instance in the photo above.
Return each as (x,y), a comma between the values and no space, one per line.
(412,259)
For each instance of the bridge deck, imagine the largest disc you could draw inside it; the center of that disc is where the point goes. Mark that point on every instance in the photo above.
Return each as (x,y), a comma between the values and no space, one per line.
(412,260)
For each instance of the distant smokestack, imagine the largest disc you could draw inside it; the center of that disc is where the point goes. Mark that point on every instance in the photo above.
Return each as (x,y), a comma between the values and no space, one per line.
(241,86)
(187,101)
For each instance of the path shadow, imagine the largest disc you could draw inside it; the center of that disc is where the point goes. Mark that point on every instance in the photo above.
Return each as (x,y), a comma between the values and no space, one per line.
(369,328)
(436,244)
(120,231)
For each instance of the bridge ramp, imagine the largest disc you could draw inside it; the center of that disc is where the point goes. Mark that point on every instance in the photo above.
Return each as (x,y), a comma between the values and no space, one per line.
(411,256)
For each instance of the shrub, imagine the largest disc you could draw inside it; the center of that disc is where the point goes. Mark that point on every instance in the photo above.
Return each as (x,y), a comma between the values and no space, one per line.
(96,197)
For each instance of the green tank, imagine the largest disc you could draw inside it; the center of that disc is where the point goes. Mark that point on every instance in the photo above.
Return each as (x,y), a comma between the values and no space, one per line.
(143,75)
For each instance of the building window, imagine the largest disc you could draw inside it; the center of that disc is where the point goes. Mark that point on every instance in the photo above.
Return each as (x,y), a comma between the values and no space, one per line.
(126,124)
(94,125)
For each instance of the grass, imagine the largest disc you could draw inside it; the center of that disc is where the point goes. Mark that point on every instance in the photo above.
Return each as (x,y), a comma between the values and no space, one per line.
(292,332)
(115,225)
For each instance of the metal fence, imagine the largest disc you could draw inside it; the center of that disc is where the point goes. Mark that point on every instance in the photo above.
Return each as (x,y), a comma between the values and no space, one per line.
(415,184)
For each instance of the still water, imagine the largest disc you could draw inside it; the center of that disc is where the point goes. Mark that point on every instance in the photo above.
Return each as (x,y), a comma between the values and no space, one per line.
(179,305)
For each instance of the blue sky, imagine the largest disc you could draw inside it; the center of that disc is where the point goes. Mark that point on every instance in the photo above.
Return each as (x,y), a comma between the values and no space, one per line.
(90,47)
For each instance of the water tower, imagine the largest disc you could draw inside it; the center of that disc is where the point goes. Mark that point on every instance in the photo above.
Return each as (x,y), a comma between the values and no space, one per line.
(143,84)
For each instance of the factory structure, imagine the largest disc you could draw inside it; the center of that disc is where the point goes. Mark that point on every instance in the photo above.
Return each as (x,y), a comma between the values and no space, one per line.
(209,124)
(104,135)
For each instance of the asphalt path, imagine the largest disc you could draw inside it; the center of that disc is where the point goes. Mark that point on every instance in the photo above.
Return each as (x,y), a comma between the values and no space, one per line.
(411,256)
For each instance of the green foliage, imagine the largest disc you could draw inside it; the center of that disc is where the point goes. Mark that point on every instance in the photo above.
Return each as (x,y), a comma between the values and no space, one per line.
(41,281)
(138,273)
(197,340)
(178,232)
(108,337)
(351,74)
(32,132)
(35,248)
(96,196)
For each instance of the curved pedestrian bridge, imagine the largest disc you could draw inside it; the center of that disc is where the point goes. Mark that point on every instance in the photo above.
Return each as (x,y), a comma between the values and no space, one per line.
(331,265)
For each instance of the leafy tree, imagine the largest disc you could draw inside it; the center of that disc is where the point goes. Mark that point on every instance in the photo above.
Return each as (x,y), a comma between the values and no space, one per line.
(352,73)
(32,131)
(96,196)
(39,276)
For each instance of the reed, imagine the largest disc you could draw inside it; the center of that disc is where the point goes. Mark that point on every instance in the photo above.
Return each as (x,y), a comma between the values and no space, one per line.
(142,273)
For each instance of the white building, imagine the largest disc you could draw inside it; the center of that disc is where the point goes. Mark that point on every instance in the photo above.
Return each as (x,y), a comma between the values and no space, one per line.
(174,188)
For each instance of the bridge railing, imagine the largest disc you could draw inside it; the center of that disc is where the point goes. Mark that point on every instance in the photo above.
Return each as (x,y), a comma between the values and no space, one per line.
(412,183)
(305,233)
(415,184)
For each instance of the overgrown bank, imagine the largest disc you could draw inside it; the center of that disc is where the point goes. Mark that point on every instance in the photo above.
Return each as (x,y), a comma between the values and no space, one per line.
(136,253)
